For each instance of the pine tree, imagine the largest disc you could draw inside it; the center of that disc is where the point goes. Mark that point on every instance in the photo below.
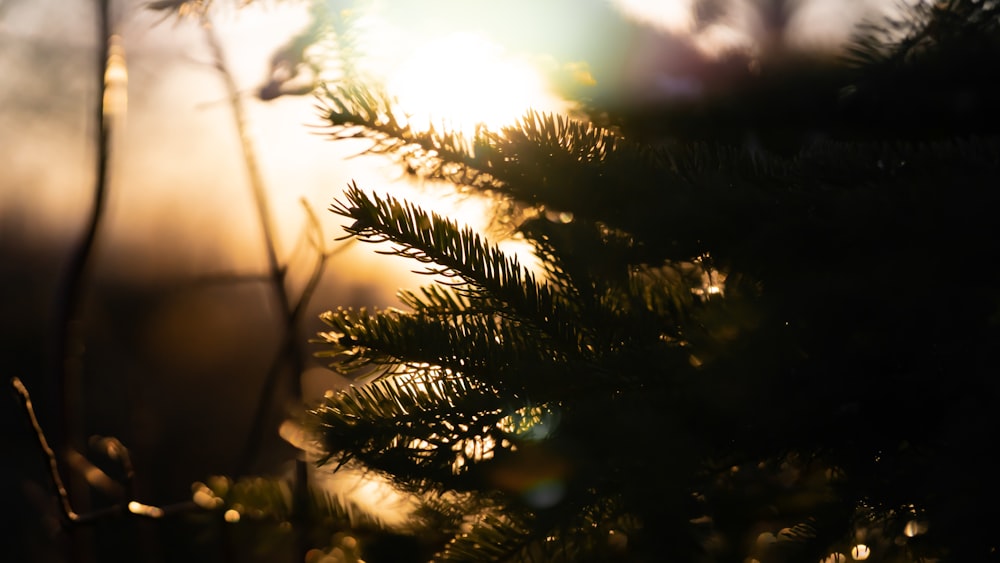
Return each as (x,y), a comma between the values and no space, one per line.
(764,327)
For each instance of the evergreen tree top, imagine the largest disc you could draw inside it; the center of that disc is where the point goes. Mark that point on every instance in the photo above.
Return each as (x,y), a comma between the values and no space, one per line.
(776,316)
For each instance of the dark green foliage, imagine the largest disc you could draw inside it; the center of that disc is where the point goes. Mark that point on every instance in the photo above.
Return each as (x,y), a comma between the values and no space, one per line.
(791,335)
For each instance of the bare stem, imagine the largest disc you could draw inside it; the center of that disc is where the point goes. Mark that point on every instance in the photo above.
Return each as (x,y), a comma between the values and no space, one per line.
(43,444)
(67,375)
(275,271)
(288,355)
(249,158)
(131,507)
(68,308)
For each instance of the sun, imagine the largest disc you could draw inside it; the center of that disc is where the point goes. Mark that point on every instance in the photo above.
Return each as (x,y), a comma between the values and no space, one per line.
(461,80)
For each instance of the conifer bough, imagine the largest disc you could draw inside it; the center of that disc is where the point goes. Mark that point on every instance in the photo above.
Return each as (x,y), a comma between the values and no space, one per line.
(737,350)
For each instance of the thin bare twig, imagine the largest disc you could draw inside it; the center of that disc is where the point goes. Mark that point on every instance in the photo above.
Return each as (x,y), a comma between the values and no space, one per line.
(50,456)
(290,348)
(249,158)
(324,254)
(67,371)
(130,508)
(289,354)
(69,310)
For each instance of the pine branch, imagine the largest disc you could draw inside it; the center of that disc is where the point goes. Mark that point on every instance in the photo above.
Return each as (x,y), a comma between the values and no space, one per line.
(359,110)
(594,532)
(481,269)
(114,448)
(426,429)
(437,300)
(500,538)
(561,164)
(260,500)
(688,284)
(486,348)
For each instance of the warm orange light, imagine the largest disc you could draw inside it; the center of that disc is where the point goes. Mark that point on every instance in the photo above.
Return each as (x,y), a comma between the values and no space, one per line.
(373,494)
(115,79)
(914,528)
(145,510)
(462,80)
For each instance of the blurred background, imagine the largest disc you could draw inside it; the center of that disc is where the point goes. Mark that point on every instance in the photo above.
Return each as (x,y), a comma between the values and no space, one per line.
(178,320)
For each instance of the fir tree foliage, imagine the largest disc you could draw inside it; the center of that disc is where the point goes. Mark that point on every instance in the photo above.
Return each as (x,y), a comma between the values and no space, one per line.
(732,351)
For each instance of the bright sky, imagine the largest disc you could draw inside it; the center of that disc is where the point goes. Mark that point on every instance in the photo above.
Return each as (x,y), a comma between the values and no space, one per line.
(462,79)
(455,61)
(462,62)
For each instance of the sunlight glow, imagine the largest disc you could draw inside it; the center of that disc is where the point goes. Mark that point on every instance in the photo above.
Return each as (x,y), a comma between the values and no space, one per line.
(533,424)
(145,510)
(914,528)
(369,492)
(462,80)
(672,15)
(115,79)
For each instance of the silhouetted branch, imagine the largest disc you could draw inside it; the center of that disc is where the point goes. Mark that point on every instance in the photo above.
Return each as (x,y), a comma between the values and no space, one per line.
(289,353)
(79,258)
(249,156)
(67,370)
(117,450)
(320,265)
(276,272)
(43,444)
